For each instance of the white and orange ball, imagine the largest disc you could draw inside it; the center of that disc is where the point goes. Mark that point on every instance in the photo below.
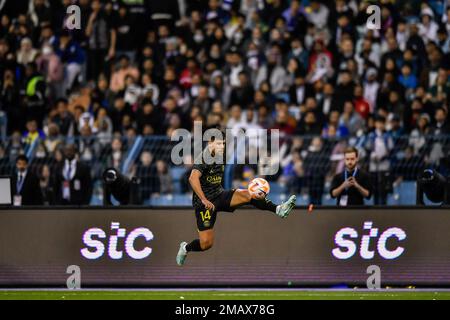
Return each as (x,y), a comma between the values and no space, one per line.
(258,188)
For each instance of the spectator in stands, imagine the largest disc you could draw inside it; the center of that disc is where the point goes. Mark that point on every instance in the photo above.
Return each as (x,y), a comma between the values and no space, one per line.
(407,78)
(33,132)
(13,112)
(244,174)
(26,54)
(379,145)
(293,172)
(320,62)
(149,114)
(442,124)
(46,185)
(119,76)
(104,128)
(395,104)
(344,89)
(316,165)
(39,11)
(102,36)
(408,167)
(117,155)
(164,178)
(236,119)
(396,128)
(50,66)
(15,147)
(63,118)
(362,106)
(184,180)
(118,112)
(73,184)
(428,27)
(5,164)
(243,93)
(273,72)
(127,33)
(34,97)
(310,125)
(25,184)
(133,90)
(352,186)
(439,93)
(53,138)
(146,171)
(351,120)
(419,135)
(71,55)
(317,13)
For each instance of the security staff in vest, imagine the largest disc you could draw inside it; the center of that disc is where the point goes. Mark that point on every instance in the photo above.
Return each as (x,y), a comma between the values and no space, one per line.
(353,185)
(73,183)
(34,93)
(25,185)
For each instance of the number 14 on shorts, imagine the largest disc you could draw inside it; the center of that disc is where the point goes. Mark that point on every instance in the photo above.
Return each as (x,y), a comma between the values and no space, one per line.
(206,215)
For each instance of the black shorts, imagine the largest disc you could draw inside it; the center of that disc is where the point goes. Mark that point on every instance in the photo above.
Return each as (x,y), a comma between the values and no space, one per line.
(207,218)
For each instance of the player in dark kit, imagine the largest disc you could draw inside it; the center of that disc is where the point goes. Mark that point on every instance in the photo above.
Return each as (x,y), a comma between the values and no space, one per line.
(209,198)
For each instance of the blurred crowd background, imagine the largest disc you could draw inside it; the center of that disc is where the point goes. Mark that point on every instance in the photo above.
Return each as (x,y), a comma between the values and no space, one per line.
(138,70)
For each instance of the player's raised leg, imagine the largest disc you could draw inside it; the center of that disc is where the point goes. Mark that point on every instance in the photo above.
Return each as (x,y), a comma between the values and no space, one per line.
(204,242)
(241,197)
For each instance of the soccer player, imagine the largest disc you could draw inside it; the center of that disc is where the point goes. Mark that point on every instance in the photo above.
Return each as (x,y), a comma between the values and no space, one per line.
(210,197)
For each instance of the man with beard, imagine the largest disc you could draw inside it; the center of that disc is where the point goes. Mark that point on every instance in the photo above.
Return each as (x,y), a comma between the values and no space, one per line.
(353,185)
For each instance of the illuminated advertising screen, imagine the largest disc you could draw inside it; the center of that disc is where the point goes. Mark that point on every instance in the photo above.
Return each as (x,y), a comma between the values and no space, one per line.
(137,247)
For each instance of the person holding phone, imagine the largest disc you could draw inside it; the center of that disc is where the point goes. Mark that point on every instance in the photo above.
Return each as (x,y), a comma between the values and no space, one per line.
(352,186)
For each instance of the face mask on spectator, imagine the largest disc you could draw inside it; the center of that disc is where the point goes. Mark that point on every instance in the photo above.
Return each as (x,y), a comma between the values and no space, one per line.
(238,37)
(297,51)
(47,50)
(214,54)
(198,37)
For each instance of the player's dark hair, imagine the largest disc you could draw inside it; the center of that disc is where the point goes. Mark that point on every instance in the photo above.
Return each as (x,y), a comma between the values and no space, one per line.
(351,150)
(212,138)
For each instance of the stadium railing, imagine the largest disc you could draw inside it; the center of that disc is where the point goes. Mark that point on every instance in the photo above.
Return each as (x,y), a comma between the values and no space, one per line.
(306,167)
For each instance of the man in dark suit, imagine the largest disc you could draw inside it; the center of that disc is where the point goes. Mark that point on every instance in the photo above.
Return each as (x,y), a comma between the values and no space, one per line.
(353,185)
(73,183)
(25,185)
(442,124)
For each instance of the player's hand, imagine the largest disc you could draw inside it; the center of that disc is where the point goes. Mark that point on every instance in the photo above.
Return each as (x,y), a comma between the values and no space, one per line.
(208,204)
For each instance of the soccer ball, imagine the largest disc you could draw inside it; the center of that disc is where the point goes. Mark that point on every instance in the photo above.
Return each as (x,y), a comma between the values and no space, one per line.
(258,188)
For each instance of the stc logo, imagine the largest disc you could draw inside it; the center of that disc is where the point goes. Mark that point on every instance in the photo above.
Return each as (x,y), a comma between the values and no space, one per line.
(346,247)
(96,248)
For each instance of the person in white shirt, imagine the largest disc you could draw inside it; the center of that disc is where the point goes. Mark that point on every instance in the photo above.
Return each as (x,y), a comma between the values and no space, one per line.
(371,87)
(428,27)
(317,14)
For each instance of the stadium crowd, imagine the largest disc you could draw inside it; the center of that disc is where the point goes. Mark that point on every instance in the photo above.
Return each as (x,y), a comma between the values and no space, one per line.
(310,68)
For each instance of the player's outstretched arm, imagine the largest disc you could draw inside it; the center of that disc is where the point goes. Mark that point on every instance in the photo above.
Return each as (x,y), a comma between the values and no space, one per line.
(194,180)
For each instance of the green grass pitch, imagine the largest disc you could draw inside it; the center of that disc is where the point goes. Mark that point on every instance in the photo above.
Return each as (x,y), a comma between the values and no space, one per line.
(223,295)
